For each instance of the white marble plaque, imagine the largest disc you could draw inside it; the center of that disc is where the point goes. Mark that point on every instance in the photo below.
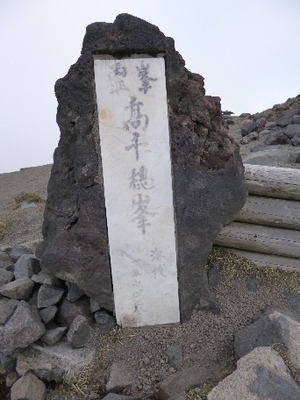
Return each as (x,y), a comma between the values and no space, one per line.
(135,150)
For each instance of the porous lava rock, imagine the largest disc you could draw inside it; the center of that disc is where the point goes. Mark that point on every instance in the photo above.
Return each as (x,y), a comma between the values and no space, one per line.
(208,180)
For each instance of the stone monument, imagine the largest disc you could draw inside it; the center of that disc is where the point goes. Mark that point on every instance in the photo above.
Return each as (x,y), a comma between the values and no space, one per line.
(144,177)
(136,164)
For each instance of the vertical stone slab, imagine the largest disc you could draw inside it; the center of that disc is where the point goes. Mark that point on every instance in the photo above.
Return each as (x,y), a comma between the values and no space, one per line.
(135,152)
(208,174)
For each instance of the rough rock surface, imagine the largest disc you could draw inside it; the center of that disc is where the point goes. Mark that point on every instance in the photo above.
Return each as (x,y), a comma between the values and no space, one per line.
(275,143)
(49,295)
(8,364)
(120,378)
(16,252)
(5,261)
(7,307)
(23,328)
(11,378)
(20,289)
(53,336)
(208,176)
(260,375)
(5,276)
(114,396)
(74,292)
(47,314)
(28,387)
(271,328)
(79,333)
(105,320)
(43,278)
(26,266)
(22,368)
(68,311)
(265,331)
(183,381)
(174,354)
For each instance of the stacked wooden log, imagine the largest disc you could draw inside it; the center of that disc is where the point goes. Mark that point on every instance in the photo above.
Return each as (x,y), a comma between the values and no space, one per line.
(267,230)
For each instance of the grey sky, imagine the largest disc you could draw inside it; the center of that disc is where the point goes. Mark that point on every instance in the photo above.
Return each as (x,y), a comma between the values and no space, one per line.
(248,53)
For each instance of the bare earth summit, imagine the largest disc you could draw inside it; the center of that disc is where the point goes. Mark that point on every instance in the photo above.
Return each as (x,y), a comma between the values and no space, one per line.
(205,341)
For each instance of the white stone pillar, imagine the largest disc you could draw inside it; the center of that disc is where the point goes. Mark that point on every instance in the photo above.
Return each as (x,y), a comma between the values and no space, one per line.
(135,151)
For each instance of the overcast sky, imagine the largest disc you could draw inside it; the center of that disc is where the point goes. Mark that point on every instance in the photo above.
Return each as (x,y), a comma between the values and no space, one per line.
(247,51)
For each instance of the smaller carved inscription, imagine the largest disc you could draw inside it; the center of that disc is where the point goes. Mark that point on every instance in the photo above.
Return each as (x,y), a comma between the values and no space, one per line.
(119,68)
(137,119)
(140,180)
(143,72)
(142,212)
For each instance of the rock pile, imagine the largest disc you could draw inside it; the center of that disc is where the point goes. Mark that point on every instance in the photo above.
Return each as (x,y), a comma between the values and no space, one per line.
(38,310)
(262,372)
(274,134)
(279,127)
(267,350)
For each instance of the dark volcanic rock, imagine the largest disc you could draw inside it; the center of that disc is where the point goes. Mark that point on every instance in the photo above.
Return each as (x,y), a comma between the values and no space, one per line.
(80,332)
(23,328)
(248,127)
(19,289)
(7,307)
(296,119)
(292,130)
(47,314)
(174,354)
(5,276)
(285,120)
(7,363)
(296,140)
(74,292)
(5,261)
(119,379)
(214,276)
(94,306)
(16,252)
(69,311)
(276,138)
(263,332)
(261,122)
(49,295)
(114,396)
(26,266)
(185,380)
(105,320)
(53,336)
(29,387)
(209,187)
(43,278)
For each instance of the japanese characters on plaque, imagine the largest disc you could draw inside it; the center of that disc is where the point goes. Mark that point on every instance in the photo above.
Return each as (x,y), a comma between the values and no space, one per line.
(135,152)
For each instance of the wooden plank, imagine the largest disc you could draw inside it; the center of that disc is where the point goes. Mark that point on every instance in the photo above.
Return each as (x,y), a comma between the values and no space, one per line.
(267,260)
(271,212)
(272,181)
(261,239)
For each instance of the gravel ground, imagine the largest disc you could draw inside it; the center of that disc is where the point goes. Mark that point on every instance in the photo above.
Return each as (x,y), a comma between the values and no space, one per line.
(206,340)
(22,225)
